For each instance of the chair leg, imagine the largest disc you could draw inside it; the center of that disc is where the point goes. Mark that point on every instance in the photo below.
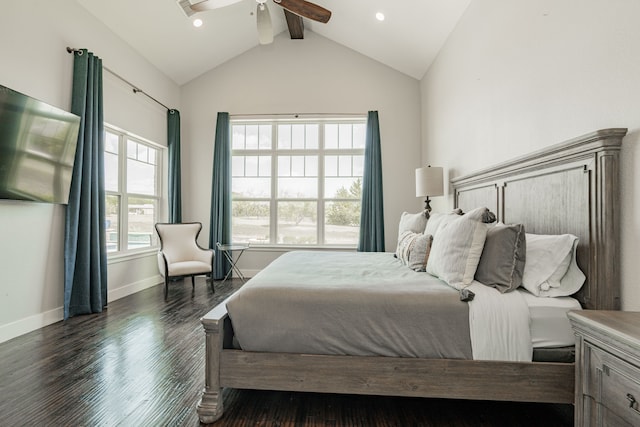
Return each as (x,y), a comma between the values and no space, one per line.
(166,287)
(213,290)
(193,283)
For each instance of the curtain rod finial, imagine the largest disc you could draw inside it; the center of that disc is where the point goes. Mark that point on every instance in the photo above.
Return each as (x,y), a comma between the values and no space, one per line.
(74,50)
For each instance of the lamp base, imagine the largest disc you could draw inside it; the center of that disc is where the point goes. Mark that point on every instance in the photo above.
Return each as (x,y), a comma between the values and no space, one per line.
(427,204)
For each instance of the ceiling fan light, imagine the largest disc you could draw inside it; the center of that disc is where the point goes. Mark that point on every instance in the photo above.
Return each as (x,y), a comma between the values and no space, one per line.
(263,21)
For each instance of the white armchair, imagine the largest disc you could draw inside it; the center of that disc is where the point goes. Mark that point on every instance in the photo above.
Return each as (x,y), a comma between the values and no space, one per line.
(180,255)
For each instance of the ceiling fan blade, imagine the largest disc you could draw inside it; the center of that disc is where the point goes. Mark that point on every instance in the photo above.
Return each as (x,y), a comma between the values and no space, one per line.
(263,21)
(306,9)
(212,4)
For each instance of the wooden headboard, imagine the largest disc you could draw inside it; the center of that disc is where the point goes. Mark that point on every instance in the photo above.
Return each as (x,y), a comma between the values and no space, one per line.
(571,187)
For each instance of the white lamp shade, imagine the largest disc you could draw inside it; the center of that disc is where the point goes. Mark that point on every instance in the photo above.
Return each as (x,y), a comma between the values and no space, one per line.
(429,182)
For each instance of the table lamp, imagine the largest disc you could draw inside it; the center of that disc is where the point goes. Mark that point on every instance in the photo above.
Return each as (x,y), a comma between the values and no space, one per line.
(429,184)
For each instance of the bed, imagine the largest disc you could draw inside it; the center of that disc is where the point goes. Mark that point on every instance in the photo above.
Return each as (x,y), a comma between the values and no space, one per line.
(571,187)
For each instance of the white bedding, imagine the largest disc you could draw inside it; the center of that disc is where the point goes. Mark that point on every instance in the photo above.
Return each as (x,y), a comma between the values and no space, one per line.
(499,325)
(540,322)
(550,325)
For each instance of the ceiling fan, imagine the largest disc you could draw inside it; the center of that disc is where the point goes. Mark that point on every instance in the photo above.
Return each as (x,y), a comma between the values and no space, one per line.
(301,8)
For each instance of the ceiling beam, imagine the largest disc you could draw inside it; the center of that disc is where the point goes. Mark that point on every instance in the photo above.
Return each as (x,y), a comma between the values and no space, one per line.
(295,24)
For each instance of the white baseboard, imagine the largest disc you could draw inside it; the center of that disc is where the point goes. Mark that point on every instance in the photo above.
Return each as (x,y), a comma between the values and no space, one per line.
(31,323)
(40,320)
(132,288)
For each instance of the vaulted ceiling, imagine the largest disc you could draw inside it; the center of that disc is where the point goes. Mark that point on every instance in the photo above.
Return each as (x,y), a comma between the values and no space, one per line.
(408,39)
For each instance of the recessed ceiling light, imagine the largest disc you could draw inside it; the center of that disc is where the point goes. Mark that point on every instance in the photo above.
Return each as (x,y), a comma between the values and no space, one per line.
(197,23)
(380,16)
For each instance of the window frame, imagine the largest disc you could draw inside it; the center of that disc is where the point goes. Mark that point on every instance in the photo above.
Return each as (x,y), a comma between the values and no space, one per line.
(320,152)
(123,195)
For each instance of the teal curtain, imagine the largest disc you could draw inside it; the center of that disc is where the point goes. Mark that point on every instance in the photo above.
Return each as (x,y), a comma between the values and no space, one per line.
(372,211)
(220,228)
(85,259)
(175,187)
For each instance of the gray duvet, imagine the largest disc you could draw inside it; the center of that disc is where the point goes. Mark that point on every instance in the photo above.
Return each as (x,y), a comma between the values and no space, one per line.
(364,304)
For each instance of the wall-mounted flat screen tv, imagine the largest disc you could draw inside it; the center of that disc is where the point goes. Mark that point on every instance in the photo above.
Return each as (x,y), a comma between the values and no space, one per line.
(37,149)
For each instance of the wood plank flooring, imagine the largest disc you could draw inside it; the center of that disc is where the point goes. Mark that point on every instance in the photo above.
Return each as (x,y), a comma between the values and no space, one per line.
(141,363)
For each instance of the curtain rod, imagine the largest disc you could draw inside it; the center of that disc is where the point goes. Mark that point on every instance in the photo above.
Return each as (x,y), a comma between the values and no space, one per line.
(300,115)
(135,88)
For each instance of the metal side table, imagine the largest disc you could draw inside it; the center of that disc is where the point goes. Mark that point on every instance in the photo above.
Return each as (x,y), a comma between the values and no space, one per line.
(227,250)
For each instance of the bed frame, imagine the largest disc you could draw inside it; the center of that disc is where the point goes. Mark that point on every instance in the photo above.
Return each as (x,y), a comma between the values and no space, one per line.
(571,187)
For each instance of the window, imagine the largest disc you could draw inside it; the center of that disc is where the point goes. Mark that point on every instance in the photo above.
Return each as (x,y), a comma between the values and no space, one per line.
(297,183)
(132,181)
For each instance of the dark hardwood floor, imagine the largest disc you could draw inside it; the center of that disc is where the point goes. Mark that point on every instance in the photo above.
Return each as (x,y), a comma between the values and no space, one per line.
(141,363)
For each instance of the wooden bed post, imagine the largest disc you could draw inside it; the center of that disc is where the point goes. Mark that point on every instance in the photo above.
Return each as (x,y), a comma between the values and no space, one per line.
(210,407)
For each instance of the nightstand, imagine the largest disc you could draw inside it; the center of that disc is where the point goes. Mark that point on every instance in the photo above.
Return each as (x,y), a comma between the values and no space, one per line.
(607,368)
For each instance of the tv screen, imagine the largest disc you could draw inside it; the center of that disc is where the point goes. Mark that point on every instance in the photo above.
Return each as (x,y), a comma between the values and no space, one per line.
(37,149)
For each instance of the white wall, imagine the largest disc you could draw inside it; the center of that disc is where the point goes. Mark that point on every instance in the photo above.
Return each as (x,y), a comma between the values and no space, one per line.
(314,75)
(518,75)
(33,38)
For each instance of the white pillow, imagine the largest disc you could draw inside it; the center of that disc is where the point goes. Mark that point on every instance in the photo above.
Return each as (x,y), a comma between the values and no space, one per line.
(551,269)
(457,248)
(437,219)
(414,223)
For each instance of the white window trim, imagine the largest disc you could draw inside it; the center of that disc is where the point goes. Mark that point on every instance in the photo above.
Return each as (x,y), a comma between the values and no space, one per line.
(124,254)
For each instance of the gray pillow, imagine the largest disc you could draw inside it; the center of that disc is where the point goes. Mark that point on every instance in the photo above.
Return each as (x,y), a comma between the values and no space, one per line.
(503,258)
(414,249)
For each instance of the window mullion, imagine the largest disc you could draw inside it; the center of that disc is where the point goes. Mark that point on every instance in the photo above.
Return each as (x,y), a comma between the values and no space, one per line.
(124,200)
(320,214)
(273,205)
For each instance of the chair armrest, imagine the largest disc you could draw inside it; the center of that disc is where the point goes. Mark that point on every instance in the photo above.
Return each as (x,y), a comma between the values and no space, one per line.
(204,255)
(162,257)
